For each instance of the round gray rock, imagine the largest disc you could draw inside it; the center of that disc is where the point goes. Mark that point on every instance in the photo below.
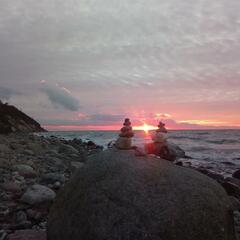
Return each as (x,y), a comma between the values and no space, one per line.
(117,196)
(25,170)
(38,194)
(168,150)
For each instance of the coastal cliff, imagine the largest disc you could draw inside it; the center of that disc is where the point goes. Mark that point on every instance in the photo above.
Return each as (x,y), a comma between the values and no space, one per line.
(14,120)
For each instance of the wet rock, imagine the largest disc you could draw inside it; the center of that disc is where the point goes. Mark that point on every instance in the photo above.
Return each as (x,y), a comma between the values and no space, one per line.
(233,180)
(235,203)
(28,152)
(4,148)
(236,174)
(228,163)
(91,144)
(111,144)
(25,170)
(16,146)
(167,151)
(65,148)
(34,215)
(28,235)
(56,185)
(6,196)
(3,234)
(4,163)
(232,189)
(50,178)
(77,141)
(18,178)
(4,213)
(76,165)
(21,217)
(34,147)
(11,187)
(120,196)
(19,226)
(52,152)
(37,194)
(216,176)
(179,163)
(57,162)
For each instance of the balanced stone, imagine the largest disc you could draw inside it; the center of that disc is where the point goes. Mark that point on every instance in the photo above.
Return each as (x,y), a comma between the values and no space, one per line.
(124,141)
(161,147)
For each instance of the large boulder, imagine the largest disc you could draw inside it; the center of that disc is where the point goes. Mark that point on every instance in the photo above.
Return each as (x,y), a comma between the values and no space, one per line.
(168,151)
(116,195)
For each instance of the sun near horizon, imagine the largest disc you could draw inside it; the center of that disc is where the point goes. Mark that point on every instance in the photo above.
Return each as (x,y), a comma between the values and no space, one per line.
(145,127)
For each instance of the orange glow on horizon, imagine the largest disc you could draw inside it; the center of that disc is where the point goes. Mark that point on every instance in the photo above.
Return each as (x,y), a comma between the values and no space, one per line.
(145,127)
(80,128)
(179,125)
(214,123)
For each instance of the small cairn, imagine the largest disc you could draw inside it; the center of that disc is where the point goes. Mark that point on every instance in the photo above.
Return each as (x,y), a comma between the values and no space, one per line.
(160,135)
(125,137)
(159,146)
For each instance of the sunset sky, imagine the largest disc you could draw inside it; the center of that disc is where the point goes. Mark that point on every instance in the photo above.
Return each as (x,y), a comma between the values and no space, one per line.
(88,64)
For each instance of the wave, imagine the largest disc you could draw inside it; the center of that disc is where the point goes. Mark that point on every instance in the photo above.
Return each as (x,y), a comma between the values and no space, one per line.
(223,141)
(202,133)
(184,137)
(228,163)
(200,148)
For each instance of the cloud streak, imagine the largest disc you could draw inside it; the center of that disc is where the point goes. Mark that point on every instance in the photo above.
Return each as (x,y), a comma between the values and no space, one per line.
(6,93)
(60,96)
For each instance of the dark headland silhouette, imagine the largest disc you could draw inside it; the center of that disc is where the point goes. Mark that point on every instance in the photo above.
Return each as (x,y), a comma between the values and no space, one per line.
(14,120)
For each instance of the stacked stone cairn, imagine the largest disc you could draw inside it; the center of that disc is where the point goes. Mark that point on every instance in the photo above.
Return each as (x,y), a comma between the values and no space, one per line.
(125,137)
(160,135)
(159,145)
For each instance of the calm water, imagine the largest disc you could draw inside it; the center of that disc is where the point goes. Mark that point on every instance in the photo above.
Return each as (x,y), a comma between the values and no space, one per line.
(217,150)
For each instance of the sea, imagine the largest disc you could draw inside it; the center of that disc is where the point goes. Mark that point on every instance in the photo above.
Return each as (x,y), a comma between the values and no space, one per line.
(216,150)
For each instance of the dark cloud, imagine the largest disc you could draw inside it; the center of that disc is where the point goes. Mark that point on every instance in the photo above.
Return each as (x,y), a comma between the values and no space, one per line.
(61,96)
(6,93)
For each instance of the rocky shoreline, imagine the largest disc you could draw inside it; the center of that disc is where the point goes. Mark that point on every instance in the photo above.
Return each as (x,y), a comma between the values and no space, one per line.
(34,168)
